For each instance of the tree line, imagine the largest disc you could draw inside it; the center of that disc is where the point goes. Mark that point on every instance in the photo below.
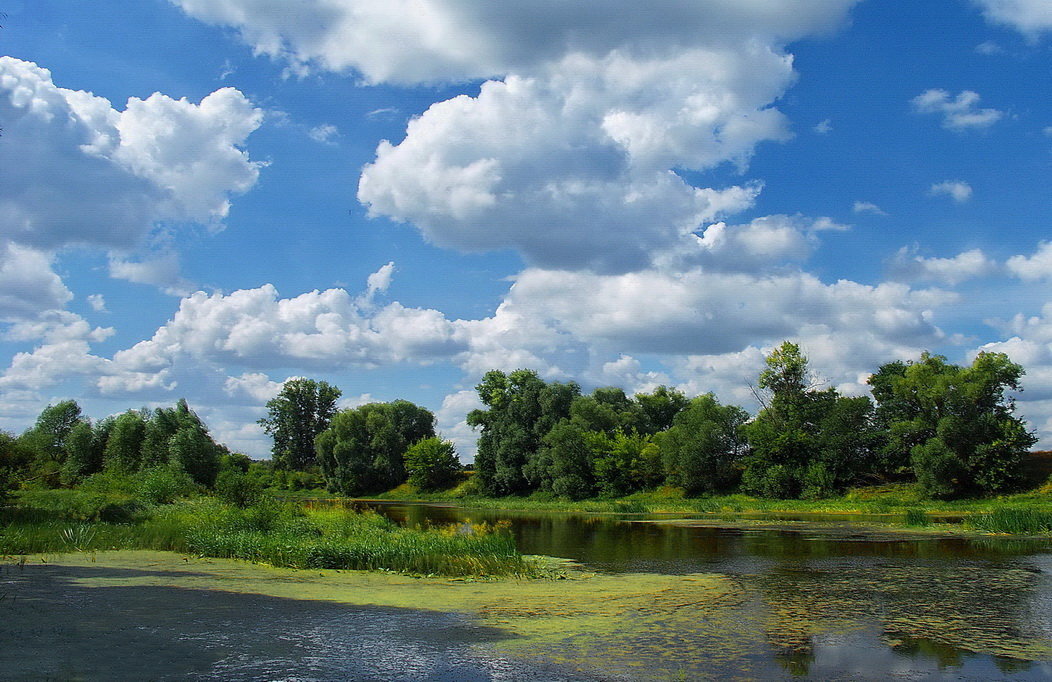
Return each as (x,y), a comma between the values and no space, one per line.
(950,428)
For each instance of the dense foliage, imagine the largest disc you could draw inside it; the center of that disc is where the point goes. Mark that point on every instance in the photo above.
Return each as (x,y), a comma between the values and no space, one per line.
(364,448)
(301,410)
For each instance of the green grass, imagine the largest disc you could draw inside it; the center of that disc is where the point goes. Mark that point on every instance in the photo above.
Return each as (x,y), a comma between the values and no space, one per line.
(1015,520)
(278,534)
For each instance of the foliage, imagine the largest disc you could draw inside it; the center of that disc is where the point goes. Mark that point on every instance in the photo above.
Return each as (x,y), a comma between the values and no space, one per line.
(124,446)
(84,453)
(521,409)
(953,425)
(432,464)
(301,410)
(193,451)
(563,466)
(163,485)
(236,488)
(363,449)
(702,449)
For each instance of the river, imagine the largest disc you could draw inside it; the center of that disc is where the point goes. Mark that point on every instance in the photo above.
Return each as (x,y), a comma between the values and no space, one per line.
(657,600)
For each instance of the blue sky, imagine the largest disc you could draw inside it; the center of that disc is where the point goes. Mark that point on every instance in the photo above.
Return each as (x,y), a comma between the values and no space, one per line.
(203,198)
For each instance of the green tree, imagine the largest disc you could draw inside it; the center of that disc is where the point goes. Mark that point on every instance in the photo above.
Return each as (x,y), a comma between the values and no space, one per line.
(48,435)
(657,410)
(123,451)
(83,453)
(301,410)
(432,464)
(363,449)
(194,451)
(624,463)
(704,447)
(955,426)
(805,441)
(521,409)
(15,459)
(563,465)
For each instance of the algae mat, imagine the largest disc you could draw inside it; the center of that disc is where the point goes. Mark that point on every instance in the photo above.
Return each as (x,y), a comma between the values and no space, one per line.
(858,622)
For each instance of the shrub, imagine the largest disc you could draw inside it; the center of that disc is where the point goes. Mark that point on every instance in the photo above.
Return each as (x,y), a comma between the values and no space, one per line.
(236,488)
(163,485)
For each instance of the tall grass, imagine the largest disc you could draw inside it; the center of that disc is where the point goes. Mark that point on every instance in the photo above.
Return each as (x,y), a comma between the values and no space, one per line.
(282,535)
(1013,520)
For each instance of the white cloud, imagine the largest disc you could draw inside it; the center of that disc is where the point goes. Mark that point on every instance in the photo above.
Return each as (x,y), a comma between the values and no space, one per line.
(958,113)
(90,174)
(97,303)
(160,271)
(377,283)
(958,190)
(1034,267)
(908,266)
(867,207)
(573,169)
(1029,17)
(325,133)
(451,422)
(988,47)
(27,283)
(255,385)
(823,127)
(419,41)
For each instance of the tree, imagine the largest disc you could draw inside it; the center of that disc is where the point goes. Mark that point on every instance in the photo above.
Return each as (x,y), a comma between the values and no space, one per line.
(83,453)
(953,426)
(124,445)
(563,465)
(658,410)
(432,464)
(47,439)
(301,410)
(805,441)
(363,449)
(522,409)
(194,451)
(704,446)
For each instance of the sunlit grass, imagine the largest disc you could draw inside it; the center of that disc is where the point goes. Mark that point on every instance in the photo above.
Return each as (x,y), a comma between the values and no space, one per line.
(279,534)
(1013,520)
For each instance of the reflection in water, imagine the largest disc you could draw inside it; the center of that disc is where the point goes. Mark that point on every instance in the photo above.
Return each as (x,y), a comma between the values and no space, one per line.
(823,605)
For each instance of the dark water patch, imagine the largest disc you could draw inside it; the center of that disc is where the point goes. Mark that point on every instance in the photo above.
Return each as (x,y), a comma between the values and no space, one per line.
(51,627)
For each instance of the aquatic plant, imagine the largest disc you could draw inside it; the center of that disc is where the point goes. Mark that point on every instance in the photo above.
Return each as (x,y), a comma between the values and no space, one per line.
(1013,520)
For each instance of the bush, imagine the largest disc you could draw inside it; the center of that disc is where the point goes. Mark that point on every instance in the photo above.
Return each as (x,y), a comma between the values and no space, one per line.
(163,485)
(432,464)
(236,488)
(775,482)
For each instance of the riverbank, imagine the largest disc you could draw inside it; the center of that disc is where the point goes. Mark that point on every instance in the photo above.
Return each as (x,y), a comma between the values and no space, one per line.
(898,506)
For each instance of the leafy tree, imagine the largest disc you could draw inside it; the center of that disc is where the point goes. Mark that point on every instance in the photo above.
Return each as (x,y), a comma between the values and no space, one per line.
(301,410)
(194,451)
(363,449)
(163,424)
(954,425)
(123,451)
(432,464)
(806,441)
(658,410)
(237,488)
(624,463)
(83,453)
(15,458)
(704,446)
(563,465)
(48,435)
(521,409)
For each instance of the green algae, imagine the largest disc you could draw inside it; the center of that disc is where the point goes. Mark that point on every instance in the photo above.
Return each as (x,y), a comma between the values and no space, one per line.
(651,626)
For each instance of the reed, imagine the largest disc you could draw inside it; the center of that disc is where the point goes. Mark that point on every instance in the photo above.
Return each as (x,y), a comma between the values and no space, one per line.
(1013,520)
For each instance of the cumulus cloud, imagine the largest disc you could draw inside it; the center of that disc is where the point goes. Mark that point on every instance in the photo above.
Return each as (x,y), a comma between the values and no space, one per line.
(823,127)
(959,113)
(27,283)
(958,190)
(90,174)
(160,271)
(1029,17)
(1037,266)
(908,265)
(451,422)
(573,168)
(253,385)
(421,41)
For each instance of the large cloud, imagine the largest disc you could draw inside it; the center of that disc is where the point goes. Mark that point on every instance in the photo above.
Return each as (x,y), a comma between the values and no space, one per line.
(415,41)
(90,174)
(1029,17)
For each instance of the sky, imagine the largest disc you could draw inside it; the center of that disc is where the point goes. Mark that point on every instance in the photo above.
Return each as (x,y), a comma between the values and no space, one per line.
(203,198)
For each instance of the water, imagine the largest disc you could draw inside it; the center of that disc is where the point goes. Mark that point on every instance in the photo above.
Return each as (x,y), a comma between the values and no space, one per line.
(672,602)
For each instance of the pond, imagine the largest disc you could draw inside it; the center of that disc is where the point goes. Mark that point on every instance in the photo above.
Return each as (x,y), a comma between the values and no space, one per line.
(656,600)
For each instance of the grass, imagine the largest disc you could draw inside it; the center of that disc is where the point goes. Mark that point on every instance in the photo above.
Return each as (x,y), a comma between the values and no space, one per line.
(271,532)
(1015,520)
